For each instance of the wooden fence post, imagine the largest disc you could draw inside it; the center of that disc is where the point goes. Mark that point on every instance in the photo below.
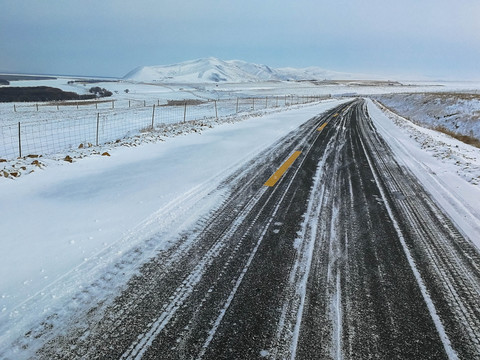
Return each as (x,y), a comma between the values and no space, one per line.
(237,106)
(185,112)
(153,115)
(216,112)
(98,123)
(19,141)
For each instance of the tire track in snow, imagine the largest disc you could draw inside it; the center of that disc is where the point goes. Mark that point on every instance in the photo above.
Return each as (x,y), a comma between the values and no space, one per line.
(254,252)
(112,323)
(454,261)
(428,300)
(289,326)
(341,280)
(144,341)
(378,317)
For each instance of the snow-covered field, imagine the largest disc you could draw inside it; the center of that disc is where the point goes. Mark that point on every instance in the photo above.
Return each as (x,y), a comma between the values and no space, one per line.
(55,129)
(66,224)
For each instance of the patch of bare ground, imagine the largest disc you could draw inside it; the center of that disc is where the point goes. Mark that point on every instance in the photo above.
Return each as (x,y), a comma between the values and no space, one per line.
(457,95)
(470,140)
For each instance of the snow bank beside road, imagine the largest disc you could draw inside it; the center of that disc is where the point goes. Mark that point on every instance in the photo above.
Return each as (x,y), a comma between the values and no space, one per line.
(449,169)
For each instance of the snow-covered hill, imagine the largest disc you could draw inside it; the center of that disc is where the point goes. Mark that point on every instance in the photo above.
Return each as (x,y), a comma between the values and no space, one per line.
(233,71)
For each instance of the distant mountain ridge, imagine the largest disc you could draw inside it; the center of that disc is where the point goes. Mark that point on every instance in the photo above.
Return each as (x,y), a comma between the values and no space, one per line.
(213,70)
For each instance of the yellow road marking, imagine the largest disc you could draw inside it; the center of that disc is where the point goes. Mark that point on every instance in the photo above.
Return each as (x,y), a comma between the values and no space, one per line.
(336,115)
(278,174)
(322,127)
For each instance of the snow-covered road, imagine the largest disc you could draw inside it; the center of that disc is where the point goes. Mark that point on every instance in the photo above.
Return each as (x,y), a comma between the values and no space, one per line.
(346,256)
(65,226)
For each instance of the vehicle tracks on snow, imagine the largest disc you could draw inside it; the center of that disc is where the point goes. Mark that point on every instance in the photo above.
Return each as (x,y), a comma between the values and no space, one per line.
(346,257)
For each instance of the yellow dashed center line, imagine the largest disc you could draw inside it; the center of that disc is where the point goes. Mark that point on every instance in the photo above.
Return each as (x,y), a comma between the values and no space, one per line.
(278,174)
(322,127)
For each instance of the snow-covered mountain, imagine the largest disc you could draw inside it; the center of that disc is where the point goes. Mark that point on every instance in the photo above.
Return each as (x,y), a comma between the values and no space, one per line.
(234,71)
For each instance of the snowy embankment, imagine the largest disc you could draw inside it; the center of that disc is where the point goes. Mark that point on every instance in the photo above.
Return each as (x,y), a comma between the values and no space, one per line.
(64,226)
(456,112)
(448,168)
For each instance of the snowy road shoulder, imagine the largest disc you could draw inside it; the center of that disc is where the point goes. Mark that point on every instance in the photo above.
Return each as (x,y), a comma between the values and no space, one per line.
(448,168)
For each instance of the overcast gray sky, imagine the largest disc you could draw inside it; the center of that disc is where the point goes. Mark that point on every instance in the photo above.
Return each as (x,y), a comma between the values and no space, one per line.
(433,38)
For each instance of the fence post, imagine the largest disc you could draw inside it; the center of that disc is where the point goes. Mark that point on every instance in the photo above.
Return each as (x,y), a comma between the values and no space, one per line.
(185,112)
(285,100)
(216,112)
(113,104)
(237,106)
(153,115)
(14,108)
(266,102)
(98,123)
(144,103)
(253,104)
(36,106)
(19,141)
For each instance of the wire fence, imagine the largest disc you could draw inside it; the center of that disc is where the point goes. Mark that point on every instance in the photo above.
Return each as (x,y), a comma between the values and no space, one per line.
(54,128)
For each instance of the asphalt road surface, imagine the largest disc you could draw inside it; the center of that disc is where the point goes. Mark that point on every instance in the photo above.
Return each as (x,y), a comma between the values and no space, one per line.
(344,256)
